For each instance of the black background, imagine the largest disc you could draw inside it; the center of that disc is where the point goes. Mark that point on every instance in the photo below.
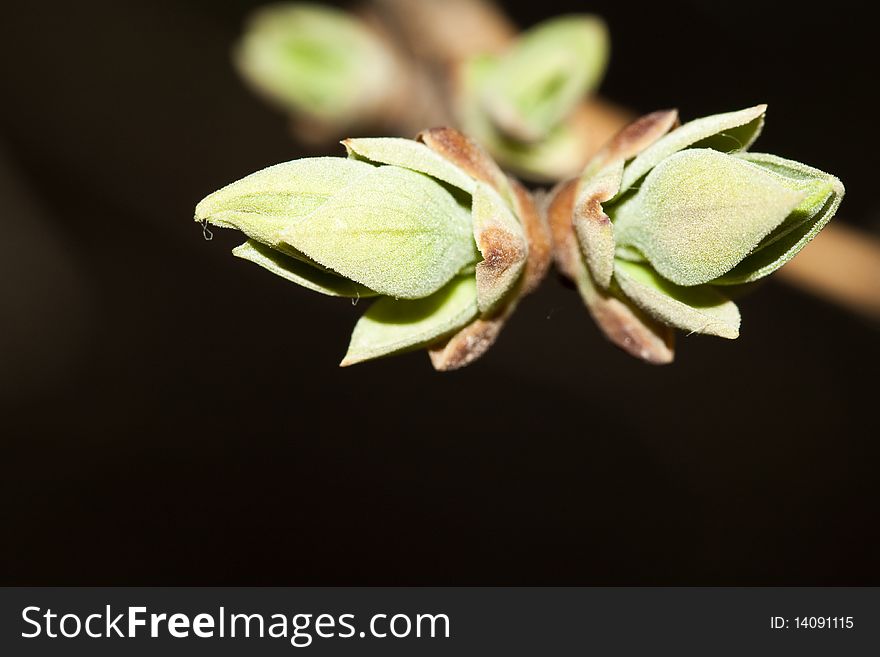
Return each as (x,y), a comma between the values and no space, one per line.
(172,415)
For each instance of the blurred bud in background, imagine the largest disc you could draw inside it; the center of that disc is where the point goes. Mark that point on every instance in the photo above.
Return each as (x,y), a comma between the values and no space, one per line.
(331,70)
(526,104)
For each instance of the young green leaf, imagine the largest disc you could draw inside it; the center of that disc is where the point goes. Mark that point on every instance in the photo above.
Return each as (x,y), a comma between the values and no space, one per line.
(299,272)
(393,230)
(264,203)
(409,154)
(729,132)
(700,309)
(391,326)
(700,212)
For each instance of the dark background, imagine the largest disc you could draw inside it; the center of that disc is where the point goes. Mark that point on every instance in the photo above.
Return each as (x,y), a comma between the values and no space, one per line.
(172,415)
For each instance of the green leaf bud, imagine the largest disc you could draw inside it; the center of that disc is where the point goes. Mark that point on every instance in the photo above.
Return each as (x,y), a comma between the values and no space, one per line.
(668,219)
(431,227)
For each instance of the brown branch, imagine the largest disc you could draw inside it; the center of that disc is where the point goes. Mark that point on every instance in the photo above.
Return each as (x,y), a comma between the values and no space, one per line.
(841,265)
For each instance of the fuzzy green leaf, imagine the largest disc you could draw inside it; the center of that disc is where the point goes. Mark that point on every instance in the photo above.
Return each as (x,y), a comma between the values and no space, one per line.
(824,193)
(264,203)
(315,59)
(393,230)
(700,212)
(391,326)
(299,272)
(549,69)
(409,154)
(728,133)
(502,242)
(700,309)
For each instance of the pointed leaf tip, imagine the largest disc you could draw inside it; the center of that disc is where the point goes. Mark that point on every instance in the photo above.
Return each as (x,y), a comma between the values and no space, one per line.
(262,204)
(824,194)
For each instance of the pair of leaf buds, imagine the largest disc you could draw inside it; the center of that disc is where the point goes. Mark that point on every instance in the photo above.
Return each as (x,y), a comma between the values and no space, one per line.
(664,226)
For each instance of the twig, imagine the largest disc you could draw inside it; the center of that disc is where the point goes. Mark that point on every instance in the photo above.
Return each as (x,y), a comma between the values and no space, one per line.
(841,265)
